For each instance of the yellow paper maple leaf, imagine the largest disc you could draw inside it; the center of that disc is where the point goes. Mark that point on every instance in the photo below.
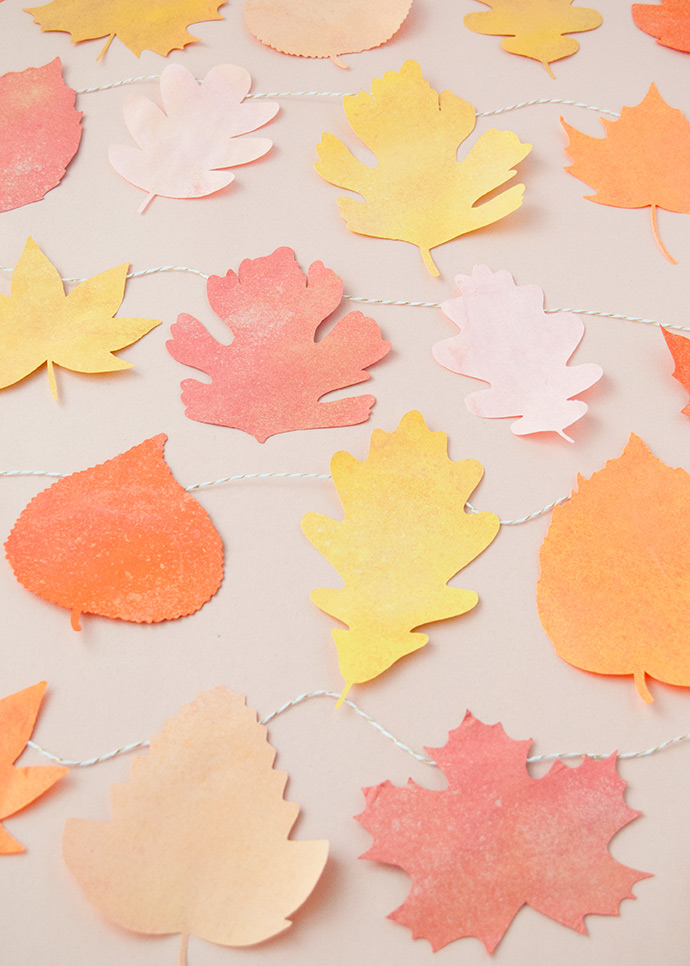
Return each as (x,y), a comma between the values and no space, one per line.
(419,192)
(40,324)
(405,534)
(157,25)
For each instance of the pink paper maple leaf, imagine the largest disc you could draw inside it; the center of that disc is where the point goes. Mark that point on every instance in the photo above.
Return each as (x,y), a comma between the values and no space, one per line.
(497,839)
(271,377)
(507,339)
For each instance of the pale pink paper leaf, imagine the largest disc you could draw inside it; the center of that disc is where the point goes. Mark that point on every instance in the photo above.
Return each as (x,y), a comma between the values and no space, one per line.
(507,340)
(187,146)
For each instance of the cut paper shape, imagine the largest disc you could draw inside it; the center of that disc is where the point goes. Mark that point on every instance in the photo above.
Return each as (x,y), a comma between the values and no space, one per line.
(271,377)
(404,535)
(157,25)
(497,839)
(19,786)
(614,588)
(199,841)
(186,148)
(679,347)
(40,131)
(325,28)
(506,339)
(643,160)
(535,28)
(121,539)
(668,21)
(40,325)
(419,192)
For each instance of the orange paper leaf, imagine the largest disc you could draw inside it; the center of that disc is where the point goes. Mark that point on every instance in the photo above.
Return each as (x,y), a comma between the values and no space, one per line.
(668,21)
(679,348)
(614,589)
(122,539)
(20,786)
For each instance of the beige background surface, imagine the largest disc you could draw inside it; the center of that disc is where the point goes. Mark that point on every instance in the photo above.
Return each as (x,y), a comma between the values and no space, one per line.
(117,682)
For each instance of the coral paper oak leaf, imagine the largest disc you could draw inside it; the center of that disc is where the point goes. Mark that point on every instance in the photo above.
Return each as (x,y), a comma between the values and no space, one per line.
(614,589)
(405,534)
(122,539)
(271,377)
(679,347)
(199,840)
(20,786)
(497,839)
(643,160)
(419,192)
(668,21)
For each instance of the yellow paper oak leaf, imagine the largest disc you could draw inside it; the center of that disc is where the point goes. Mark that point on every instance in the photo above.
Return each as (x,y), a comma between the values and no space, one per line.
(419,192)
(404,535)
(40,324)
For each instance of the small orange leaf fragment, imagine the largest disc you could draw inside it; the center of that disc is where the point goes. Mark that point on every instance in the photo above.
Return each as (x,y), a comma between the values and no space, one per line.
(679,348)
(668,21)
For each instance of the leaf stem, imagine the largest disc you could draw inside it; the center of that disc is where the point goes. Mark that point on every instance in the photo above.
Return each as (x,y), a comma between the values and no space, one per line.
(659,242)
(51,380)
(547,67)
(343,694)
(146,202)
(107,44)
(339,62)
(641,686)
(183,949)
(74,619)
(429,262)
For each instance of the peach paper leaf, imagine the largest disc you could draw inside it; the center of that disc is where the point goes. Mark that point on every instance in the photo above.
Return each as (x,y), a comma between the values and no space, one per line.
(668,21)
(679,347)
(507,339)
(122,539)
(40,131)
(419,192)
(614,589)
(271,377)
(186,147)
(199,840)
(404,535)
(643,160)
(497,839)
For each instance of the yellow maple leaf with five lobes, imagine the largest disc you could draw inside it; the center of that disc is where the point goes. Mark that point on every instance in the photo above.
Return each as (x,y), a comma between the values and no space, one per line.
(157,25)
(40,324)
(404,535)
(419,192)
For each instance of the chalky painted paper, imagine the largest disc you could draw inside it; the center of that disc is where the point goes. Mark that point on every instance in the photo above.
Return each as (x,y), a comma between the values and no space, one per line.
(271,378)
(40,131)
(679,347)
(614,589)
(199,840)
(185,147)
(668,21)
(419,192)
(405,533)
(507,339)
(497,839)
(40,325)
(122,539)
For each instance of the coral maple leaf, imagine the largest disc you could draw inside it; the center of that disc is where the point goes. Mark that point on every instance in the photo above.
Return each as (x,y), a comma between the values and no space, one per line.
(668,21)
(679,347)
(271,377)
(497,839)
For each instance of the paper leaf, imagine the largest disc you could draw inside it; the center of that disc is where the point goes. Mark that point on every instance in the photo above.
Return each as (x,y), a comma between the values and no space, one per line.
(497,839)
(679,347)
(404,535)
(506,339)
(419,192)
(199,841)
(40,324)
(186,148)
(668,21)
(614,589)
(122,539)
(20,786)
(270,378)
(40,131)
(643,159)
(535,28)
(324,28)
(157,25)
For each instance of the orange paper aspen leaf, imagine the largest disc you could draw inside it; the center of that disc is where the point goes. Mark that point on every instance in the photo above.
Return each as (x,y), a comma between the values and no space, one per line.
(40,131)
(271,377)
(643,159)
(122,539)
(679,347)
(199,840)
(668,21)
(497,839)
(614,589)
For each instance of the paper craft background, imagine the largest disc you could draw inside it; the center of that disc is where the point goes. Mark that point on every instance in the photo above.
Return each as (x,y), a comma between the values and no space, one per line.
(118,682)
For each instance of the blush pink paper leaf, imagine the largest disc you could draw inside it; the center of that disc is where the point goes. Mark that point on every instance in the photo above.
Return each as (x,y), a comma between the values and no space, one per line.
(186,147)
(40,131)
(506,339)
(271,377)
(497,839)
